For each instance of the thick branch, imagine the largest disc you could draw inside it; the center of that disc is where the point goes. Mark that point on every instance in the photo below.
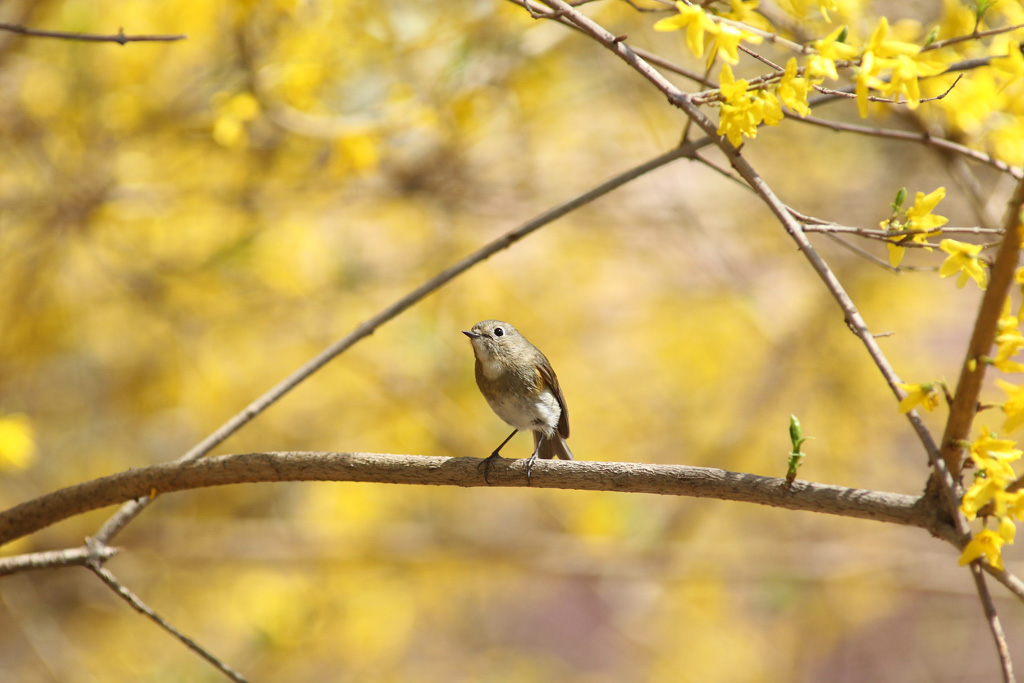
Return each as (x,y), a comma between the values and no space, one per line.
(677,480)
(972,374)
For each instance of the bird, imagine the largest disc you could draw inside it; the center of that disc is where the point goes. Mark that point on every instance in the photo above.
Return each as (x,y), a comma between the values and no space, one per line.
(522,389)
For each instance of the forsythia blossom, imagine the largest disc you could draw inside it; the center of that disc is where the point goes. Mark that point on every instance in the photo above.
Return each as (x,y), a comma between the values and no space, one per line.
(696,22)
(987,544)
(989,495)
(829,49)
(905,63)
(1013,407)
(17,442)
(918,217)
(793,89)
(727,43)
(925,395)
(1009,341)
(963,259)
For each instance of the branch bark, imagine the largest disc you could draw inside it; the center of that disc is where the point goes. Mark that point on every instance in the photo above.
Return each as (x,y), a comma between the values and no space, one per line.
(677,480)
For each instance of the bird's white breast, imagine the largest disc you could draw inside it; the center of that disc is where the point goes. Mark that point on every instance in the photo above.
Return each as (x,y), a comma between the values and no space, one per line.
(539,413)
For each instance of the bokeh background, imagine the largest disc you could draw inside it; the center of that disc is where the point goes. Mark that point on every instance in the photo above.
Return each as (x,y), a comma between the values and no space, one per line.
(183,224)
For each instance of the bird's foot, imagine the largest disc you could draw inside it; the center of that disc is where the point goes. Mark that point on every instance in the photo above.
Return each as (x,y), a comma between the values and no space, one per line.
(486,465)
(529,467)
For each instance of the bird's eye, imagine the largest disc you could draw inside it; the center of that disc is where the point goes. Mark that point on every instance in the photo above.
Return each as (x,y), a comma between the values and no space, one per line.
(498,332)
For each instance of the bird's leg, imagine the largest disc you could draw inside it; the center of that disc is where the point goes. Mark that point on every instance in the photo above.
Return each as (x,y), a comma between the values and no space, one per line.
(486,464)
(531,460)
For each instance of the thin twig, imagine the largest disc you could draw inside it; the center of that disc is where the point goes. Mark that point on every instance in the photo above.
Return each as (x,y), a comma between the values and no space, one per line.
(863,253)
(120,37)
(886,235)
(886,100)
(831,95)
(921,138)
(142,608)
(975,35)
(1002,649)
(120,519)
(55,558)
(1011,581)
(538,11)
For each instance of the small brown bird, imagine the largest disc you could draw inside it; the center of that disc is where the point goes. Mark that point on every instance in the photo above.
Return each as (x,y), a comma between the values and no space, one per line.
(521,388)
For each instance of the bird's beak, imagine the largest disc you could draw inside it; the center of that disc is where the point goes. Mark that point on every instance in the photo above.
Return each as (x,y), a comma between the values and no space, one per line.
(472,335)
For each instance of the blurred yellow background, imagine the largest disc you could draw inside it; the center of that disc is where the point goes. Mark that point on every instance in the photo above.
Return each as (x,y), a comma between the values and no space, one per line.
(183,224)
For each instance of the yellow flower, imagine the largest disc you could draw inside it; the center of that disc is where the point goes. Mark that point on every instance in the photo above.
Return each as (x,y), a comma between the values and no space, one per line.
(793,89)
(734,92)
(769,109)
(800,7)
(745,12)
(926,395)
(1007,530)
(17,442)
(1009,341)
(233,111)
(895,254)
(879,44)
(735,121)
(823,64)
(963,259)
(982,492)
(993,456)
(1010,60)
(727,42)
(867,78)
(825,5)
(1018,277)
(695,21)
(1013,407)
(919,217)
(740,112)
(987,544)
(905,73)
(906,62)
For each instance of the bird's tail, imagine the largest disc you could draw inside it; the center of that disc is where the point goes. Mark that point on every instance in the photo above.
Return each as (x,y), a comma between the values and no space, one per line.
(551,447)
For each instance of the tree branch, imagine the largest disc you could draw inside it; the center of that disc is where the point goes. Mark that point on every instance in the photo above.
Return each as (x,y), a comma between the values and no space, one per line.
(972,373)
(122,592)
(994,625)
(918,137)
(120,37)
(55,558)
(676,480)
